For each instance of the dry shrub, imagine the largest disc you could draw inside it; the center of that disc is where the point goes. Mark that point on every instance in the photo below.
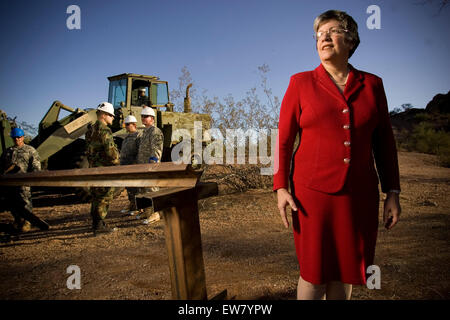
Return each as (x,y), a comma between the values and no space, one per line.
(237,177)
(426,139)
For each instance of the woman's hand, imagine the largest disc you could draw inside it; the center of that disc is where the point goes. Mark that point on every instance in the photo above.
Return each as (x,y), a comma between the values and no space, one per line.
(392,210)
(285,198)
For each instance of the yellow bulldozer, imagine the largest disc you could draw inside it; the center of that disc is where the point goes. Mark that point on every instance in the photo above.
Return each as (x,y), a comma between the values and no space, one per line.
(60,142)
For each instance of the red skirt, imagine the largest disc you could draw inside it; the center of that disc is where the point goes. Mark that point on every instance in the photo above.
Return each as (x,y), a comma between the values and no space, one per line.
(335,234)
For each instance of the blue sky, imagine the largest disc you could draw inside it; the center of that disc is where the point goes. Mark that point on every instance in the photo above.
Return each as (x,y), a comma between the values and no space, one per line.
(222,42)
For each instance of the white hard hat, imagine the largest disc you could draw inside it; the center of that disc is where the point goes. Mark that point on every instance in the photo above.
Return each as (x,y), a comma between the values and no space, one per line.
(147,111)
(106,107)
(130,119)
(141,89)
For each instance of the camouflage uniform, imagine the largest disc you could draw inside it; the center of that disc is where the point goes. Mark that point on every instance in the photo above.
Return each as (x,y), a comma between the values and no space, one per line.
(101,152)
(128,155)
(142,100)
(22,159)
(150,146)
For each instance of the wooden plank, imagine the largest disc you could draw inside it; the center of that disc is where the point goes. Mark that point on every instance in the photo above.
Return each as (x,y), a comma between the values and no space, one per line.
(140,175)
(184,247)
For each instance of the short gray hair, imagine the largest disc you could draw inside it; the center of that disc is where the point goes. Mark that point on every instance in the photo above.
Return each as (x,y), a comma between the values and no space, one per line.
(346,22)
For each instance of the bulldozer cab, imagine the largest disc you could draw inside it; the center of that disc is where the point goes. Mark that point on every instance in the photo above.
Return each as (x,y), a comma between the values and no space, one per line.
(128,89)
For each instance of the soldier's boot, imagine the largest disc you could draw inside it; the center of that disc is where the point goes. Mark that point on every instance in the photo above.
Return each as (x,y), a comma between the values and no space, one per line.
(100,227)
(99,211)
(132,209)
(151,216)
(145,213)
(26,226)
(41,224)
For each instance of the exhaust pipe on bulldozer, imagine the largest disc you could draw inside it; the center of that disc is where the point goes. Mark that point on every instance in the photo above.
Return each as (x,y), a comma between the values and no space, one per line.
(187,100)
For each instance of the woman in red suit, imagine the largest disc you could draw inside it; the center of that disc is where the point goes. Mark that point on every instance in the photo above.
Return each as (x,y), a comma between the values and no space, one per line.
(342,119)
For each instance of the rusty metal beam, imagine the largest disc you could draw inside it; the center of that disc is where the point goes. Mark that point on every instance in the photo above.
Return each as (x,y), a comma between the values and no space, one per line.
(164,174)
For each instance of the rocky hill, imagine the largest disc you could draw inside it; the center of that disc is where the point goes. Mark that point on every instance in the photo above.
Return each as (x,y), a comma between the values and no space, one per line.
(436,113)
(425,130)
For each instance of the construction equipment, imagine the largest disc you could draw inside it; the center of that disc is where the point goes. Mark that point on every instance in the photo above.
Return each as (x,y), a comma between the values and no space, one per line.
(60,142)
(5,128)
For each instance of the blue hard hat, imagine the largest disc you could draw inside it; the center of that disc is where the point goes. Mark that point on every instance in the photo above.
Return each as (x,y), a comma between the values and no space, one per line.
(17,132)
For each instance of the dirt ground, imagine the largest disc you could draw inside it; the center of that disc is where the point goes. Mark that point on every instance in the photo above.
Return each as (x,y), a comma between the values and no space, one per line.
(246,249)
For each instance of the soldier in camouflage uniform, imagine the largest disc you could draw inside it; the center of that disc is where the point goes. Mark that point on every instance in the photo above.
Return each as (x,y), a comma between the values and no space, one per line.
(151,143)
(101,152)
(128,155)
(21,158)
(150,151)
(142,99)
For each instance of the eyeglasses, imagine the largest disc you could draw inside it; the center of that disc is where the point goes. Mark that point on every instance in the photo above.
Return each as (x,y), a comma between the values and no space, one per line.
(331,32)
(127,124)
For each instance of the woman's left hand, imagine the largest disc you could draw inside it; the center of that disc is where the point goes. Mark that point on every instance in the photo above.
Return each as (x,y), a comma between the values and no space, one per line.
(392,210)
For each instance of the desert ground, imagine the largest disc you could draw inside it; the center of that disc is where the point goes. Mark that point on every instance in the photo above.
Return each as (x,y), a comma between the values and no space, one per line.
(246,249)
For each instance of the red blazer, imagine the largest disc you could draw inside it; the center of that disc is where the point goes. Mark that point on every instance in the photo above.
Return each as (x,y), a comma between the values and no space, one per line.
(337,132)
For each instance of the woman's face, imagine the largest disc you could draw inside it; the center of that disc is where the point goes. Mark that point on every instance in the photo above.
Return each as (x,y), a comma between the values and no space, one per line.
(332,46)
